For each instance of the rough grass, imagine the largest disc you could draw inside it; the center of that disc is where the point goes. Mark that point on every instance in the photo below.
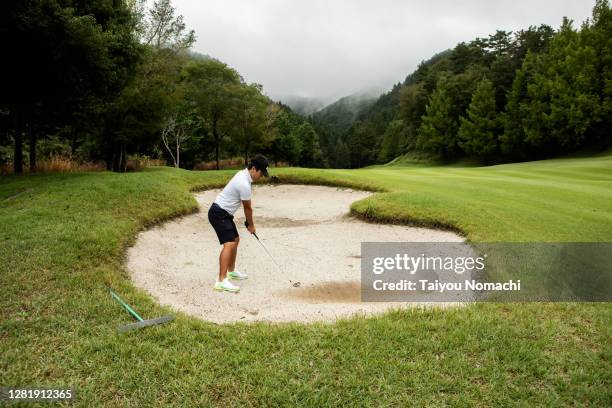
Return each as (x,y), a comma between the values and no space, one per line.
(63,238)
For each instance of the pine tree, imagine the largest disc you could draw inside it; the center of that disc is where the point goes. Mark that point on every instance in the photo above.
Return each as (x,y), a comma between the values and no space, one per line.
(563,103)
(534,111)
(311,154)
(342,155)
(479,131)
(392,140)
(572,77)
(438,129)
(512,140)
(597,36)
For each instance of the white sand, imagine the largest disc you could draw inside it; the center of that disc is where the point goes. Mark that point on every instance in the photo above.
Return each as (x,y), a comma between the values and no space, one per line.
(307,231)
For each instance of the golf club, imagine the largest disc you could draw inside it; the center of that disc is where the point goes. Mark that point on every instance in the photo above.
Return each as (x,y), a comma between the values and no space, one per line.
(246,224)
(141,322)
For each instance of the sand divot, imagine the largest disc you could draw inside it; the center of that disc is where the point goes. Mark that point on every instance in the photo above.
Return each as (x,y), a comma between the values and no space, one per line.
(306,229)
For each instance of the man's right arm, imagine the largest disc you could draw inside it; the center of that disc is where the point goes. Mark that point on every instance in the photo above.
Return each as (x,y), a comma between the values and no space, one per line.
(248,213)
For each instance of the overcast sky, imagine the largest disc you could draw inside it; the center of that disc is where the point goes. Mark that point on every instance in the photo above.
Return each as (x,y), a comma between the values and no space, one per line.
(331,48)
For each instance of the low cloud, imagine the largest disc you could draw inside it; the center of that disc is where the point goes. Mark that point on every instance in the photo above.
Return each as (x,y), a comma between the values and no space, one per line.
(328,49)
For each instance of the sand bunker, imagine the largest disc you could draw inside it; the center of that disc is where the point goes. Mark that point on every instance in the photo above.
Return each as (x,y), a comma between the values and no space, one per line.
(308,231)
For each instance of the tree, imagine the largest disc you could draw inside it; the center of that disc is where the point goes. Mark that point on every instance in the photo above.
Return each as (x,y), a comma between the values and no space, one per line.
(287,147)
(392,141)
(571,80)
(461,87)
(209,90)
(509,56)
(248,116)
(513,140)
(412,103)
(341,155)
(466,54)
(63,60)
(556,101)
(597,35)
(286,144)
(437,133)
(310,154)
(563,100)
(176,131)
(159,28)
(152,103)
(135,118)
(479,131)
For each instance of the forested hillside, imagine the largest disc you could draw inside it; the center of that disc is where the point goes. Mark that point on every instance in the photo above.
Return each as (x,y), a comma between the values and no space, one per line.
(104,84)
(110,82)
(530,94)
(335,119)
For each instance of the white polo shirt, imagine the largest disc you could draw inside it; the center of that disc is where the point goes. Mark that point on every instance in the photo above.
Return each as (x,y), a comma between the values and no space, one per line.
(237,190)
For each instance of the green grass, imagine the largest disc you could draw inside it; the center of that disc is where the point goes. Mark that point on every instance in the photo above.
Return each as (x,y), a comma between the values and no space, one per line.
(562,200)
(63,239)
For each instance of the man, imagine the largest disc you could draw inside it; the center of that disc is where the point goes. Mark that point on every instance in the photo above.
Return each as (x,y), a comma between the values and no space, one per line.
(221,217)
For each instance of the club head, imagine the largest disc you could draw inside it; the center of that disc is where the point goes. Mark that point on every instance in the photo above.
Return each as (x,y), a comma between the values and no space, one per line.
(145,323)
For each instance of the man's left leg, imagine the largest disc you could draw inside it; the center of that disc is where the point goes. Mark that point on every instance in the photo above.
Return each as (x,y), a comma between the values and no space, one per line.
(233,274)
(232,263)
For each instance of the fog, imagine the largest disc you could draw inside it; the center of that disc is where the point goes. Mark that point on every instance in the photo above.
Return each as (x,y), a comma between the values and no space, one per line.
(329,49)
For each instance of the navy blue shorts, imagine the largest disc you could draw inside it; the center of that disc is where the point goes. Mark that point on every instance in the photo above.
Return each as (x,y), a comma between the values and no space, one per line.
(223,223)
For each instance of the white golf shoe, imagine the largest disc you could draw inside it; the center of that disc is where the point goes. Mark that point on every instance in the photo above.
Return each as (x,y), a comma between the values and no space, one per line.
(238,275)
(226,286)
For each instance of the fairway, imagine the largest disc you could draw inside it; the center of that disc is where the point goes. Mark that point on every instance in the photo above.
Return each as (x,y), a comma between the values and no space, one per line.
(558,200)
(64,237)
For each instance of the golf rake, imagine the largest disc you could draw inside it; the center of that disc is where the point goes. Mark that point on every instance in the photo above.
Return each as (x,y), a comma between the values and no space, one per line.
(141,322)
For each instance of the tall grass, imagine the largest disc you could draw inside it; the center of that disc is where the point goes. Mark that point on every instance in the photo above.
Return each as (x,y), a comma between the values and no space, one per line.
(233,163)
(57,163)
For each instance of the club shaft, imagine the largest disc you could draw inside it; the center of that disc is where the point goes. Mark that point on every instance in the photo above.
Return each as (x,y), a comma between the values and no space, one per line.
(246,224)
(267,252)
